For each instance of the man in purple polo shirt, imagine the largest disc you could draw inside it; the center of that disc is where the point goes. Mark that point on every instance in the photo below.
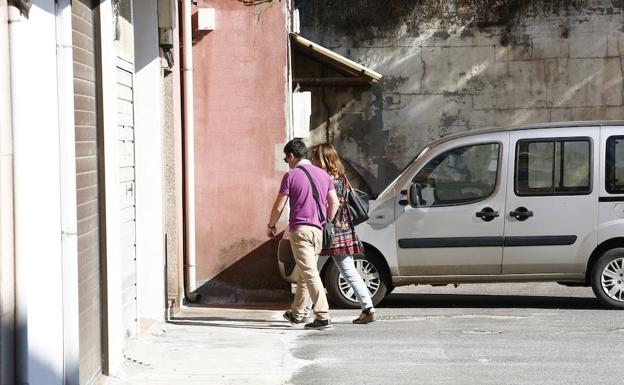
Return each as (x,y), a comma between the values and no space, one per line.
(305,227)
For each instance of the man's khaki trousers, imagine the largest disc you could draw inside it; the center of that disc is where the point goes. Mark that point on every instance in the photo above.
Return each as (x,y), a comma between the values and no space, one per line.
(306,243)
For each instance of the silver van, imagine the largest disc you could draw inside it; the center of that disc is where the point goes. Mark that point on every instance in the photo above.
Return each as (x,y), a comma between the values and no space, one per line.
(532,203)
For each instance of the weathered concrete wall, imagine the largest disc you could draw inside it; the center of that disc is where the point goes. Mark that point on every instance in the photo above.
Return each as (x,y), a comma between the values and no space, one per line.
(173,177)
(171,173)
(240,72)
(462,69)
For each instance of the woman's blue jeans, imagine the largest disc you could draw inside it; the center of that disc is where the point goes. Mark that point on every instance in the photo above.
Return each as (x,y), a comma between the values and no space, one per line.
(346,266)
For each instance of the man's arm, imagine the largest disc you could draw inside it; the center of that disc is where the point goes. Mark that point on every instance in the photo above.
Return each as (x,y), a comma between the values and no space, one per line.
(276,211)
(332,204)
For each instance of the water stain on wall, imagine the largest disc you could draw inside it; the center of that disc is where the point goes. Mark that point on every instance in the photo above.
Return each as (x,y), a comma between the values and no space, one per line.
(461,66)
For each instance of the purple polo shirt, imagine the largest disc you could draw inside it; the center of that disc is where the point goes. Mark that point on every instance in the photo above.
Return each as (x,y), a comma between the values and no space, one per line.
(296,186)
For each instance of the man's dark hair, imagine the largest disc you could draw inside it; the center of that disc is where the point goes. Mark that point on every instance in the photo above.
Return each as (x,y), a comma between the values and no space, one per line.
(297,148)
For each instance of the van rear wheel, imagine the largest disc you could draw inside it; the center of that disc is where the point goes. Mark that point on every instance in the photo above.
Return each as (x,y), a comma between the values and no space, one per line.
(607,278)
(371,270)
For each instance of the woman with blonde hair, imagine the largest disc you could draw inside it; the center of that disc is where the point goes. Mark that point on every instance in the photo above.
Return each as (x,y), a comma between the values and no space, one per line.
(346,243)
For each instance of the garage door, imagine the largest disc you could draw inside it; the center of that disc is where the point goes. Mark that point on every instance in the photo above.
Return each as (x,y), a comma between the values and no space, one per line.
(127,187)
(127,196)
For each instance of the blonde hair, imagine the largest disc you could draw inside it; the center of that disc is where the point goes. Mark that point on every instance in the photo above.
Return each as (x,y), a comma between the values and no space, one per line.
(326,157)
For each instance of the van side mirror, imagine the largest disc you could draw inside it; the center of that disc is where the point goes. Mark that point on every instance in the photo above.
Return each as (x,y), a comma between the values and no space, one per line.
(414,196)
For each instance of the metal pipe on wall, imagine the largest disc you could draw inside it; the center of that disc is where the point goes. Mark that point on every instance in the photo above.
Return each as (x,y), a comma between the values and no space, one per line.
(179,166)
(189,147)
(20,351)
(67,163)
(7,252)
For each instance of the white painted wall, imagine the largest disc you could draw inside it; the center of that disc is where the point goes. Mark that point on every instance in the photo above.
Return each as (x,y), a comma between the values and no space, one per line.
(150,249)
(302,109)
(37,196)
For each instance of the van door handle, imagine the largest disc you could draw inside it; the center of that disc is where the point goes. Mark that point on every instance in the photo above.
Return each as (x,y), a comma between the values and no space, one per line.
(521,213)
(487,214)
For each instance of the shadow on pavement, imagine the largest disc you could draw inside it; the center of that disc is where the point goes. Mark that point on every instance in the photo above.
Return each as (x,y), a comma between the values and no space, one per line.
(401,300)
(233,323)
(242,306)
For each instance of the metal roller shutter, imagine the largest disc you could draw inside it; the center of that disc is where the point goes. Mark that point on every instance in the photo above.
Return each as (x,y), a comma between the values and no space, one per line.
(125,121)
(87,185)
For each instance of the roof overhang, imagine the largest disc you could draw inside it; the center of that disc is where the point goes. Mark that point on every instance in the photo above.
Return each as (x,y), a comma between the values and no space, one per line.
(355,74)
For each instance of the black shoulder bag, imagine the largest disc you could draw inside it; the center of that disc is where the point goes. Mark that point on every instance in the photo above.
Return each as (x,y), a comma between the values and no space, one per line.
(358,204)
(328,227)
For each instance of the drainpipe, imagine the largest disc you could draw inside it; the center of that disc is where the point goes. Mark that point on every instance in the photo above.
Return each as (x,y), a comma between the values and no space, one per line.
(189,151)
(7,252)
(21,271)
(67,162)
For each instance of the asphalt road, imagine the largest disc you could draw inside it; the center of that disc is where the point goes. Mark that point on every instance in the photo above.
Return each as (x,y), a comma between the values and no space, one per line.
(540,333)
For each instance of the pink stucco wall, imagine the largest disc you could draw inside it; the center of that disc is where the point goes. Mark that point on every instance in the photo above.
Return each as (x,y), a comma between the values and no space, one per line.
(240,77)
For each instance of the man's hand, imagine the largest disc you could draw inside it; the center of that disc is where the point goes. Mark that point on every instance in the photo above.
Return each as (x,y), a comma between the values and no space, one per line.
(276,211)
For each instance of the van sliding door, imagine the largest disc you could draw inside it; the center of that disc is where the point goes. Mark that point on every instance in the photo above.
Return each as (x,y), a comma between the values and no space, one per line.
(552,203)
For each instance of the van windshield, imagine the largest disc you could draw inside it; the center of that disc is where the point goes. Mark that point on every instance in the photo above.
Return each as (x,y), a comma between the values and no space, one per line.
(409,164)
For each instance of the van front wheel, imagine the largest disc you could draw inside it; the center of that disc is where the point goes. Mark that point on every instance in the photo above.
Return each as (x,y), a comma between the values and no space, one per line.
(371,270)
(607,278)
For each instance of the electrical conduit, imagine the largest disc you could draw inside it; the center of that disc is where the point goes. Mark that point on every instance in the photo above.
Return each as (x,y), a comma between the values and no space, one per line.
(7,252)
(189,146)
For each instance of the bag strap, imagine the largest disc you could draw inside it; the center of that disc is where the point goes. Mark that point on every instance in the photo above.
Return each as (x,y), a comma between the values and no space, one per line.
(315,193)
(348,182)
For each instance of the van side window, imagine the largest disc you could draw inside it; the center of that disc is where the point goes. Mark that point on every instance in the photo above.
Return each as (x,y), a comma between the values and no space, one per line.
(553,167)
(614,179)
(459,176)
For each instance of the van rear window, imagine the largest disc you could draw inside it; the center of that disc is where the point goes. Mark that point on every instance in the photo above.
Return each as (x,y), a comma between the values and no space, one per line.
(553,167)
(614,179)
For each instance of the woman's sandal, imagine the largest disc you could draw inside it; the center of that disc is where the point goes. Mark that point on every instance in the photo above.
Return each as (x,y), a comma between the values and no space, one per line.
(367,316)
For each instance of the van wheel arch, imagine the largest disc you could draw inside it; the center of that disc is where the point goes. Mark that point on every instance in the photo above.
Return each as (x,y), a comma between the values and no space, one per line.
(329,274)
(605,246)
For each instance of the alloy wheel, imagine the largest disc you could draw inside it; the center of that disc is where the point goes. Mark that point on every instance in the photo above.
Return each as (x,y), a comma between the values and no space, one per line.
(612,279)
(369,274)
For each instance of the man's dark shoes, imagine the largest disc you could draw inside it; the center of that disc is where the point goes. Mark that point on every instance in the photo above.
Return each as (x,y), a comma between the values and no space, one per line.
(319,324)
(288,316)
